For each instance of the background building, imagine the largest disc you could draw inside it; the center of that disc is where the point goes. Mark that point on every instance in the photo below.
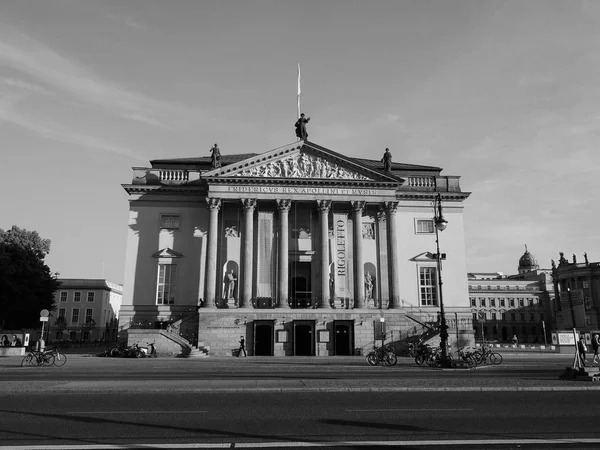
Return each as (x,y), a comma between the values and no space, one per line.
(89,310)
(301,250)
(577,294)
(521,304)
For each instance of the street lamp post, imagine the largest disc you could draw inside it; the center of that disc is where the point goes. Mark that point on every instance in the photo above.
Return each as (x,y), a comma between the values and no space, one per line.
(440,225)
(571,306)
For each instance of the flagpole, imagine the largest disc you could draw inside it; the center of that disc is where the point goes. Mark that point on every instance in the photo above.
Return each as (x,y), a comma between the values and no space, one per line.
(299,91)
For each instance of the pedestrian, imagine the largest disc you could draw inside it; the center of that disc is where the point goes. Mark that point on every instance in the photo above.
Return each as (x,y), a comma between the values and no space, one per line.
(596,346)
(515,341)
(16,342)
(242,346)
(582,349)
(5,342)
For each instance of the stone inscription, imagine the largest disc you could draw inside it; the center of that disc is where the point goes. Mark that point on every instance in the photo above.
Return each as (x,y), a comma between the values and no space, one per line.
(340,224)
(307,190)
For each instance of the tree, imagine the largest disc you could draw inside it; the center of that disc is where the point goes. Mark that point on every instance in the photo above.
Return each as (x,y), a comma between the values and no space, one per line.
(26,284)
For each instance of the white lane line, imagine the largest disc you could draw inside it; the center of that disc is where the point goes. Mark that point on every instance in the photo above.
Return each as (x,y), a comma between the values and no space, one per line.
(410,409)
(133,412)
(461,443)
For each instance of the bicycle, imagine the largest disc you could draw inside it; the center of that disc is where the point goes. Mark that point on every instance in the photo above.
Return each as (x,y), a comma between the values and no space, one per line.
(383,355)
(60,359)
(486,355)
(38,358)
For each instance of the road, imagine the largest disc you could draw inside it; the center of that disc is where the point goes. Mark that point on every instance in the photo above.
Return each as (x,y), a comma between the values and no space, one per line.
(458,419)
(281,403)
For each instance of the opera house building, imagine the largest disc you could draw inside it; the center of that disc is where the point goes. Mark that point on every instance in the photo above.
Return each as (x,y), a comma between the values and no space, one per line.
(300,250)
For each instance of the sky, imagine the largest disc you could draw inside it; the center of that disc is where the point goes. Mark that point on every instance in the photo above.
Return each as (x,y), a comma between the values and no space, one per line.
(505,94)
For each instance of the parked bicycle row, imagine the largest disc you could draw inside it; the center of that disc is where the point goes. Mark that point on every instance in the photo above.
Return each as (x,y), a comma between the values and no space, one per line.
(132,351)
(432,356)
(44,358)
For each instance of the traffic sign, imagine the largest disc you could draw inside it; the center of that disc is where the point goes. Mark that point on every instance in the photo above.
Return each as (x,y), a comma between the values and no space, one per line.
(43,319)
(44,313)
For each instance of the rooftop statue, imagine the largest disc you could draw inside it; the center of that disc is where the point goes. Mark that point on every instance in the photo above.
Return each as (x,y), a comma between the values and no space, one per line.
(300,125)
(387,160)
(215,157)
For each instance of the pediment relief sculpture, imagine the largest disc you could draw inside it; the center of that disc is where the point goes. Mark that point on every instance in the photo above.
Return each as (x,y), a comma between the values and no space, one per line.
(301,165)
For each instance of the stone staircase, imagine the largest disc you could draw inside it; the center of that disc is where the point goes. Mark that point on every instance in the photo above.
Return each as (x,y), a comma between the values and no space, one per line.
(202,351)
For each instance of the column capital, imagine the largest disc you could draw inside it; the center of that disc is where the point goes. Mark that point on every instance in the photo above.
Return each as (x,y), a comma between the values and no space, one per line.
(324,205)
(249,204)
(381,214)
(391,207)
(357,206)
(213,203)
(283,205)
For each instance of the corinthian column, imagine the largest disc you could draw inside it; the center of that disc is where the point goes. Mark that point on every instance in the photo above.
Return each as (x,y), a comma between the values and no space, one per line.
(359,268)
(247,249)
(214,204)
(391,209)
(324,206)
(284,209)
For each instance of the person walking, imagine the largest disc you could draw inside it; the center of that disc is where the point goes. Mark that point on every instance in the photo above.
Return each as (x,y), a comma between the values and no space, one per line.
(242,346)
(595,347)
(582,349)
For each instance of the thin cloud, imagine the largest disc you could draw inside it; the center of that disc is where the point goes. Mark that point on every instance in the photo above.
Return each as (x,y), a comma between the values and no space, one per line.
(25,54)
(52,130)
(23,86)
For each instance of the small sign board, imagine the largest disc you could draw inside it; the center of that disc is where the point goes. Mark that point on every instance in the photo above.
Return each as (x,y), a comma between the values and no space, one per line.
(574,297)
(44,313)
(44,319)
(566,338)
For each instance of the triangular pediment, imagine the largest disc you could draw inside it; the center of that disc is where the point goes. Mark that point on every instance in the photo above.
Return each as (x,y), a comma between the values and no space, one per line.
(167,253)
(301,160)
(424,257)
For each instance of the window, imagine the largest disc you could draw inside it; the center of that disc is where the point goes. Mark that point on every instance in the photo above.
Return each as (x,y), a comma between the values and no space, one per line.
(502,303)
(513,317)
(511,302)
(493,302)
(88,314)
(63,296)
(424,226)
(73,335)
(482,302)
(62,312)
(75,316)
(473,301)
(521,302)
(494,316)
(532,317)
(77,297)
(503,316)
(169,221)
(523,317)
(427,279)
(530,302)
(542,317)
(90,297)
(166,284)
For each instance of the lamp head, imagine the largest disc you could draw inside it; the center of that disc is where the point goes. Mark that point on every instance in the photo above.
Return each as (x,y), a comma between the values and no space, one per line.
(441,223)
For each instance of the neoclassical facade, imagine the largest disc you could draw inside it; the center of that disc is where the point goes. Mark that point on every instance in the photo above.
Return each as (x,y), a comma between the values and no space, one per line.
(301,250)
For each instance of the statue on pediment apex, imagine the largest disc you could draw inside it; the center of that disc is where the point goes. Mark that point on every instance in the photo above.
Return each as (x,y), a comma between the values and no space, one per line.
(300,126)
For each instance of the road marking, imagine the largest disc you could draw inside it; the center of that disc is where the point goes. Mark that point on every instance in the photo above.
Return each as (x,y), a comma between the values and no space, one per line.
(461,443)
(410,409)
(134,412)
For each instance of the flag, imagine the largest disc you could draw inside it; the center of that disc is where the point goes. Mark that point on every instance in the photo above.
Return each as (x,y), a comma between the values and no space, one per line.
(299,90)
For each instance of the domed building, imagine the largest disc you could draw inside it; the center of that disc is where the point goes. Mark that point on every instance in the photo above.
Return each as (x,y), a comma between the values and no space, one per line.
(527,262)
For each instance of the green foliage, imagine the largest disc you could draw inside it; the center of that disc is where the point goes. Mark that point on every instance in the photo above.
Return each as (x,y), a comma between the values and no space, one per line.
(26,284)
(61,323)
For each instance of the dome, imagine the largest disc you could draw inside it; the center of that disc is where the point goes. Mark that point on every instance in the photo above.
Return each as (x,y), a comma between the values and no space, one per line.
(527,262)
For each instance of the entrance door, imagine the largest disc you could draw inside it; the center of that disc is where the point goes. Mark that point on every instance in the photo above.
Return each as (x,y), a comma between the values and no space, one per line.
(304,337)
(343,337)
(263,337)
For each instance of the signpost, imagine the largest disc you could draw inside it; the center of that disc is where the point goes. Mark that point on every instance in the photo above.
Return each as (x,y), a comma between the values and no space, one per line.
(44,313)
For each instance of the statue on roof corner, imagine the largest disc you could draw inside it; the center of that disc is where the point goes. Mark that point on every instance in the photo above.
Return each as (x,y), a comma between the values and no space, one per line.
(215,157)
(387,160)
(300,125)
